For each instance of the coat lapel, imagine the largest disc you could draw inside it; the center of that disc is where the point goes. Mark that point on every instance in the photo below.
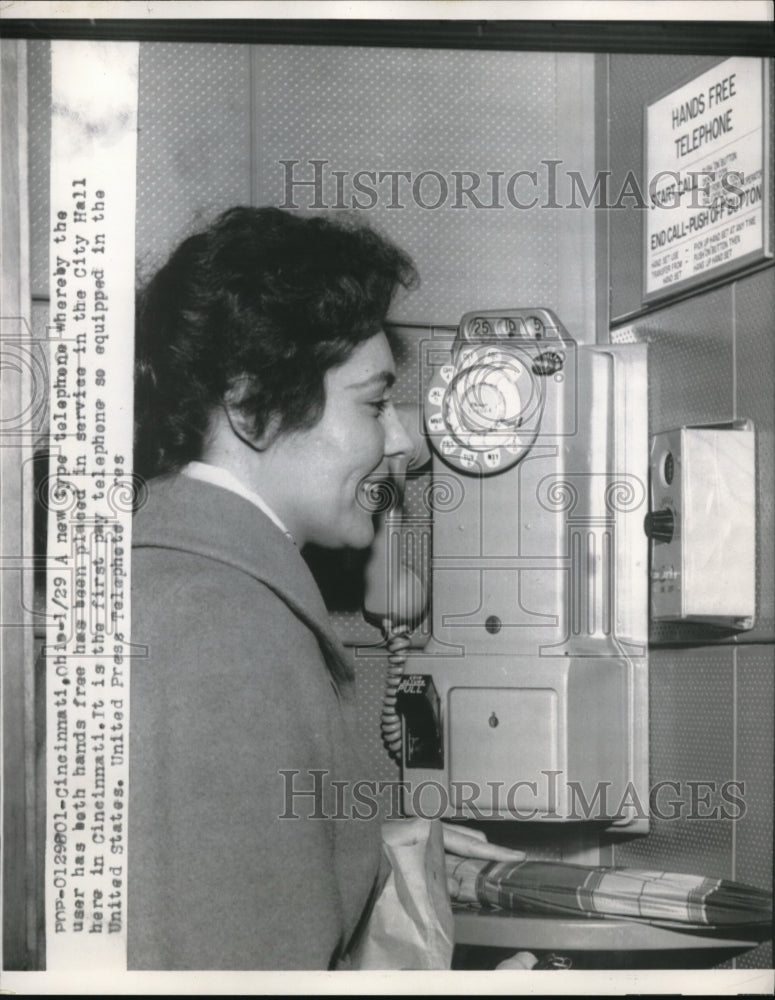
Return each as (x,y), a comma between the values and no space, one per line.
(189,515)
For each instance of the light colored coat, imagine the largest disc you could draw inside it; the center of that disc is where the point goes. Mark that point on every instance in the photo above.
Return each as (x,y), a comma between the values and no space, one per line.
(237,686)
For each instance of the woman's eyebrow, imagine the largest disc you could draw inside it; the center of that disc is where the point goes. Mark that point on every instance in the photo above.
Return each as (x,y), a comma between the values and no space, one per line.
(384,379)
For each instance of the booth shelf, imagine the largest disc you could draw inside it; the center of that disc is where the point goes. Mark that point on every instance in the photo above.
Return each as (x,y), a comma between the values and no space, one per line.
(502,929)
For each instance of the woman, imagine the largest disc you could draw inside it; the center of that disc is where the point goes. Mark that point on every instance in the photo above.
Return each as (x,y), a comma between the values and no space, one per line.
(263,401)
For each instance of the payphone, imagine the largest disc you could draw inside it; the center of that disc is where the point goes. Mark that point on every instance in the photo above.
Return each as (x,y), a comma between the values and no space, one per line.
(529,699)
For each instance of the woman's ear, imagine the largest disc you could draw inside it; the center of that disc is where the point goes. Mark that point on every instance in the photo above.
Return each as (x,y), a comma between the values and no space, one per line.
(241,422)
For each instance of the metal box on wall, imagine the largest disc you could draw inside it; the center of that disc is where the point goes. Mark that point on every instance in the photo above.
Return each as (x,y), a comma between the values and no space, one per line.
(703,525)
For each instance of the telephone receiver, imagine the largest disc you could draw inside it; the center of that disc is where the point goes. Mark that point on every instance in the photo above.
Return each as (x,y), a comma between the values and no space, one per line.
(393,592)
(395,598)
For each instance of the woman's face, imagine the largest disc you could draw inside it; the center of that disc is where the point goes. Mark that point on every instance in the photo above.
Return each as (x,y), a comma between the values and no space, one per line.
(316,472)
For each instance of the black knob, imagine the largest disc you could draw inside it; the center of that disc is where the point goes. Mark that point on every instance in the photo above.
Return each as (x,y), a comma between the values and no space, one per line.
(660,525)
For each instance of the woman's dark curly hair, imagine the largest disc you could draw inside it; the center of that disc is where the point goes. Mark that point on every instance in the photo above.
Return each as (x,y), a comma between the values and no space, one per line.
(263,301)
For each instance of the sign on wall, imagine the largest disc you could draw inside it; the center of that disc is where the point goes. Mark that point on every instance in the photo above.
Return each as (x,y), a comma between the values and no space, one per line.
(706,166)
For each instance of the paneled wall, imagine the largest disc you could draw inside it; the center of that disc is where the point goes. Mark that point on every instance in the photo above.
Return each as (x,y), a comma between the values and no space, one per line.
(711,359)
(217,120)
(194,147)
(448,112)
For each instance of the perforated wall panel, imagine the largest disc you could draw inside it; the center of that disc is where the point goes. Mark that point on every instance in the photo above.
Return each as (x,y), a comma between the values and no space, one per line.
(711,721)
(691,362)
(194,145)
(691,732)
(414,111)
(193,157)
(754,767)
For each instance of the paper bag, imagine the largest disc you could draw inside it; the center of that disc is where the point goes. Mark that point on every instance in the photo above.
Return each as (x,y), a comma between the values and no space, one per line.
(411,925)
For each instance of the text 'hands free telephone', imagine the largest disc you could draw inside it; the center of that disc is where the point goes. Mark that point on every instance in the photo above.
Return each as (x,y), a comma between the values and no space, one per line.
(529,698)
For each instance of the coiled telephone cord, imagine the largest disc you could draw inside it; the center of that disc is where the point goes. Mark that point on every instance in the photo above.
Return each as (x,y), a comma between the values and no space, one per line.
(398,642)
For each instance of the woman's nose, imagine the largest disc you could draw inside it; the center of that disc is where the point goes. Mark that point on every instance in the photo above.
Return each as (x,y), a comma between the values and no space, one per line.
(405,442)
(398,442)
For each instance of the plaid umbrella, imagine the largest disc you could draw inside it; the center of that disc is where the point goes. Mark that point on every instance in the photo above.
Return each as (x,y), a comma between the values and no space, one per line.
(659,897)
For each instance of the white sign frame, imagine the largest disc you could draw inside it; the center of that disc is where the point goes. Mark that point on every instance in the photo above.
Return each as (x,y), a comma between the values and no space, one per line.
(709,211)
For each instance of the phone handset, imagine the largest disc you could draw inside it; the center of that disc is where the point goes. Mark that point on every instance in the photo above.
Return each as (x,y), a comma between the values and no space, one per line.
(395,597)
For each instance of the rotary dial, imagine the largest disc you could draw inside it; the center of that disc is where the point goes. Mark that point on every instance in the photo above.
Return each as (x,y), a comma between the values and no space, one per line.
(483,413)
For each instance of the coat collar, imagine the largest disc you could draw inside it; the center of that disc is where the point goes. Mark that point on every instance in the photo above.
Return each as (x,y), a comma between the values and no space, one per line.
(189,515)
